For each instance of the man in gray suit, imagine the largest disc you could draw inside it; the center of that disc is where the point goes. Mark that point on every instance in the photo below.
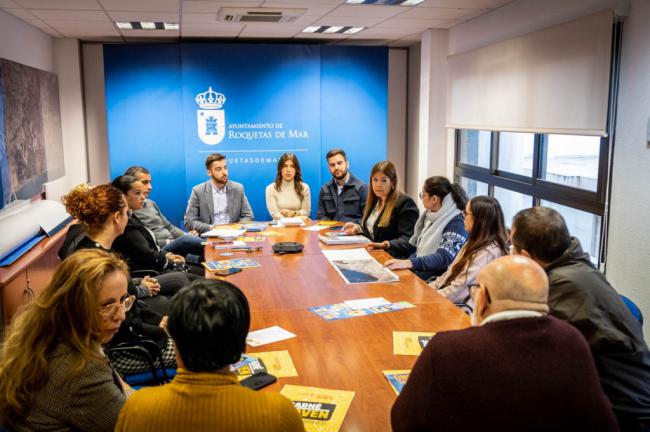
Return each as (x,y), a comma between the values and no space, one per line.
(218,201)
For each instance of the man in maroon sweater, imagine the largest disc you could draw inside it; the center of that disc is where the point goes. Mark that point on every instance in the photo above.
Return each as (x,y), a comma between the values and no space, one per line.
(517,369)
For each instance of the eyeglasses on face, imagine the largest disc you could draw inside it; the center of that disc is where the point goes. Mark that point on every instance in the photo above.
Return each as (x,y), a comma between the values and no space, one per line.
(108,311)
(465,213)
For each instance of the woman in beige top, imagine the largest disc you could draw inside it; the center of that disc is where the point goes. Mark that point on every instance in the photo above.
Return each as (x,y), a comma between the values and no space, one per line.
(288,196)
(487,241)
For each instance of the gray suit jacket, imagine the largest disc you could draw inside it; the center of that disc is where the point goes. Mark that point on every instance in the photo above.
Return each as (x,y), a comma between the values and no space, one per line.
(200,208)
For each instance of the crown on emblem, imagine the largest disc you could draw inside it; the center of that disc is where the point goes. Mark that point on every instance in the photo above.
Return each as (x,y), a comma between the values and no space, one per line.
(210,99)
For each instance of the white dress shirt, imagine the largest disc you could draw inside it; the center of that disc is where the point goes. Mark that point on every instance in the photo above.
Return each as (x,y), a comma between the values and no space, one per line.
(220,201)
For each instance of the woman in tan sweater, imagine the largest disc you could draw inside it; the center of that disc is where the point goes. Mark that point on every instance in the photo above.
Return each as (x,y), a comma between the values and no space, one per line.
(288,196)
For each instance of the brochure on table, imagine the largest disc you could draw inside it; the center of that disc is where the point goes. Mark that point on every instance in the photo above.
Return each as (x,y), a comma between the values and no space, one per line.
(410,343)
(268,335)
(343,310)
(322,410)
(276,363)
(224,233)
(231,263)
(358,266)
(397,379)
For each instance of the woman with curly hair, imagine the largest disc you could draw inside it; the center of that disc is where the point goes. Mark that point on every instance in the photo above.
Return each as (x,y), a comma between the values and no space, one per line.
(288,196)
(53,373)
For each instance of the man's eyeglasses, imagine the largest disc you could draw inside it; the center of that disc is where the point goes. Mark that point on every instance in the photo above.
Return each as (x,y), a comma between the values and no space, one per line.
(108,311)
(473,289)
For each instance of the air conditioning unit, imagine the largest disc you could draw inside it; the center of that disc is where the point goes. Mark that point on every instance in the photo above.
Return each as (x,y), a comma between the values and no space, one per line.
(263,15)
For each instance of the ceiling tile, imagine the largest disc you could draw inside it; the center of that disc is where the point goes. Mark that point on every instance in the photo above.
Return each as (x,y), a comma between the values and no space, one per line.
(439,13)
(270,30)
(384,33)
(69,15)
(60,4)
(369,11)
(80,25)
(191,18)
(403,43)
(90,33)
(413,24)
(21,13)
(214,6)
(144,16)
(218,27)
(142,5)
(314,9)
(43,27)
(478,4)
(322,36)
(8,4)
(208,34)
(150,33)
(348,21)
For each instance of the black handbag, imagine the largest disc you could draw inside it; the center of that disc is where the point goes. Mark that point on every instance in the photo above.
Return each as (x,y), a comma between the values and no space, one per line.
(287,248)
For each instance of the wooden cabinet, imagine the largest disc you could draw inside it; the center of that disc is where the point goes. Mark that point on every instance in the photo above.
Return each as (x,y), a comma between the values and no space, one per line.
(22,281)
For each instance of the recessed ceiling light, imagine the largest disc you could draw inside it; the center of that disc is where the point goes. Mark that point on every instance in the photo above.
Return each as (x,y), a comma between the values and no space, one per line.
(333,29)
(123,25)
(353,30)
(146,25)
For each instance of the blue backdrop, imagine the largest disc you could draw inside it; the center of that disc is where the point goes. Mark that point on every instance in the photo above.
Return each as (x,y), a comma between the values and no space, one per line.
(170,106)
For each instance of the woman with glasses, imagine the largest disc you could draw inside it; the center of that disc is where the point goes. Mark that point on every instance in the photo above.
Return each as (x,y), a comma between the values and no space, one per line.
(439,232)
(389,216)
(487,241)
(103,215)
(53,373)
(288,196)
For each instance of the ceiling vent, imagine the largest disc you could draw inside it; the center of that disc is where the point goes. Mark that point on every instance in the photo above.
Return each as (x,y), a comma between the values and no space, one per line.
(260,15)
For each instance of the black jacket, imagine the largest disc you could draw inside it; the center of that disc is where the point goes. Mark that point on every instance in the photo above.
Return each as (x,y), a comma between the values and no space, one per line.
(141,321)
(400,228)
(581,295)
(138,246)
(346,207)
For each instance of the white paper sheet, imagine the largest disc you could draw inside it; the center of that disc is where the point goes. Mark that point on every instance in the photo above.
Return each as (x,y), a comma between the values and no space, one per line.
(315,228)
(224,233)
(268,335)
(346,254)
(366,303)
(291,221)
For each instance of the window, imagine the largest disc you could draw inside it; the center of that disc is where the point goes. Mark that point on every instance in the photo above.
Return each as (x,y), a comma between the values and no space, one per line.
(565,172)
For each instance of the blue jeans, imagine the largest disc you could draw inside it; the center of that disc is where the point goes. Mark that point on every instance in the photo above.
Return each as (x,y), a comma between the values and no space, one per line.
(184,245)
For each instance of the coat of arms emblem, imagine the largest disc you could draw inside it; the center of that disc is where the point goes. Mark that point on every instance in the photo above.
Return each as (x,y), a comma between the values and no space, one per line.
(211,118)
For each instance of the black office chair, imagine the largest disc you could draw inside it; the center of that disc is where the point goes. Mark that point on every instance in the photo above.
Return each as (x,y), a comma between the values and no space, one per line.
(149,351)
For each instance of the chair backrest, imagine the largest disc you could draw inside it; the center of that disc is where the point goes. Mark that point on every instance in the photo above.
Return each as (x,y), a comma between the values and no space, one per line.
(634,309)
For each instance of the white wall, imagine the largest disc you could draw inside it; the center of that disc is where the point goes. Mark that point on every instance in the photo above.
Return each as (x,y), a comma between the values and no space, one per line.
(397,91)
(628,257)
(413,121)
(22,43)
(68,68)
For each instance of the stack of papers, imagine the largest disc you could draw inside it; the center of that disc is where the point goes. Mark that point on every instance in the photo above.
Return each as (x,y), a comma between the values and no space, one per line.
(228,244)
(292,221)
(343,239)
(223,233)
(255,227)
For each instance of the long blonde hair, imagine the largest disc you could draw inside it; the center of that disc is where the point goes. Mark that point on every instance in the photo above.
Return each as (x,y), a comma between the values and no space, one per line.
(66,312)
(388,169)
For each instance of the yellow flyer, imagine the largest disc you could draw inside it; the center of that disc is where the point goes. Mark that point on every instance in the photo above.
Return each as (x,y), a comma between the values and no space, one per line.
(397,379)
(270,233)
(276,363)
(410,343)
(322,410)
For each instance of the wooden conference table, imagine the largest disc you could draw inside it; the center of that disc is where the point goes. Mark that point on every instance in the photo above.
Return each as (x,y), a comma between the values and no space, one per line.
(347,354)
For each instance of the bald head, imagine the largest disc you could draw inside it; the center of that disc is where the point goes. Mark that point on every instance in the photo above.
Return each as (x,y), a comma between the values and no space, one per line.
(515,282)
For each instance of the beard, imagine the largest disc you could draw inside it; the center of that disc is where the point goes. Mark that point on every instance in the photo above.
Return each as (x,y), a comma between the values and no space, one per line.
(340,176)
(222,181)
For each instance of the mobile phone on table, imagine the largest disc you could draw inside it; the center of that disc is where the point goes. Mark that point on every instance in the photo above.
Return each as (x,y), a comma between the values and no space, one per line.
(227,272)
(258,380)
(336,228)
